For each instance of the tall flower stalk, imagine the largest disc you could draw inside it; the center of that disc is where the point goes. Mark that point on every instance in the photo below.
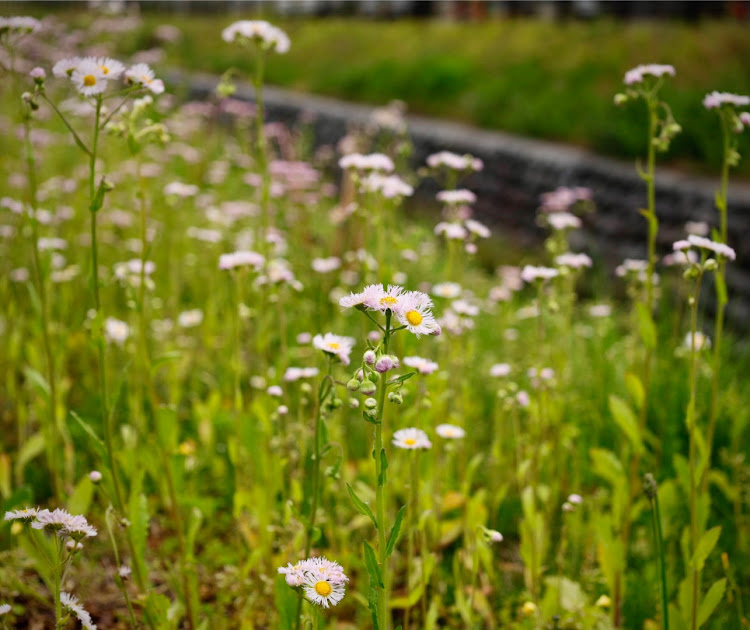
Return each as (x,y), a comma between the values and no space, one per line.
(644,82)
(52,428)
(262,38)
(731,124)
(402,310)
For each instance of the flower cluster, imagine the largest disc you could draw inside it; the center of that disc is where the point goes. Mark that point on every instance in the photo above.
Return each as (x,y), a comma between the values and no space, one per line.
(454,162)
(90,75)
(639,73)
(269,37)
(323,581)
(59,521)
(412,309)
(366,163)
(18,25)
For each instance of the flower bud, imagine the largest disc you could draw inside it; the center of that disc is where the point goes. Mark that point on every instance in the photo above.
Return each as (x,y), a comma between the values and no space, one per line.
(370,403)
(352,385)
(367,387)
(369,357)
(395,397)
(95,476)
(621,99)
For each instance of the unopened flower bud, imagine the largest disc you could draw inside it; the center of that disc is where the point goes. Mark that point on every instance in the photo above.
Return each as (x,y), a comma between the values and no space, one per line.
(367,387)
(352,385)
(95,476)
(38,74)
(371,403)
(305,388)
(369,357)
(384,363)
(395,397)
(621,99)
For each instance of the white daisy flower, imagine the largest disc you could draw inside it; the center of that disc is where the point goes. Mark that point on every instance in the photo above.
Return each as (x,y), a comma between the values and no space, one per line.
(323,592)
(414,313)
(64,68)
(450,431)
(71,603)
(296,373)
(477,228)
(454,161)
(354,300)
(116,331)
(448,290)
(4,609)
(411,438)
(461,196)
(324,568)
(383,300)
(88,77)
(294,575)
(268,35)
(717,248)
(451,230)
(530,273)
(573,261)
(423,366)
(142,74)
(190,319)
(336,345)
(26,514)
(716,99)
(637,74)
(562,221)
(499,370)
(370,162)
(241,259)
(111,68)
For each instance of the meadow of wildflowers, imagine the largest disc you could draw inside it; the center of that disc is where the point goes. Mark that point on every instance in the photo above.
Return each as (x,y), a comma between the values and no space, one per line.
(241,388)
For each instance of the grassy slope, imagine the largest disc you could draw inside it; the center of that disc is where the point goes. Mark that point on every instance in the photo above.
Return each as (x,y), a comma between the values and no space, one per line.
(541,79)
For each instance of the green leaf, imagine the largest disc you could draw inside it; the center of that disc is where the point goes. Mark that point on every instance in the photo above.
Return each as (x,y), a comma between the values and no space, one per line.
(635,388)
(393,536)
(401,378)
(626,420)
(711,600)
(361,506)
(373,569)
(91,433)
(607,466)
(646,326)
(163,359)
(80,500)
(705,546)
(37,380)
(33,447)
(98,201)
(286,603)
(383,477)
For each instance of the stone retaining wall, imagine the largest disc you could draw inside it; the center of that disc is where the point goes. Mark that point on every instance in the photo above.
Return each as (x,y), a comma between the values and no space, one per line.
(518,170)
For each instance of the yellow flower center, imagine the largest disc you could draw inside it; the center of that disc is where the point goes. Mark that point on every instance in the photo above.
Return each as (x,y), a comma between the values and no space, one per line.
(89,80)
(104,69)
(323,588)
(334,346)
(414,318)
(388,299)
(410,441)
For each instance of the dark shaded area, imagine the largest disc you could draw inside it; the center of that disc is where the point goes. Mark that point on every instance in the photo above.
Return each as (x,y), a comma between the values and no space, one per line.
(686,10)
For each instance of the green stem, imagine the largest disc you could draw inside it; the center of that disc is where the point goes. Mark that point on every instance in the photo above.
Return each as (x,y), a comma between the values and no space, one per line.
(662,561)
(413,516)
(474,573)
(691,425)
(653,230)
(51,427)
(262,157)
(722,202)
(380,497)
